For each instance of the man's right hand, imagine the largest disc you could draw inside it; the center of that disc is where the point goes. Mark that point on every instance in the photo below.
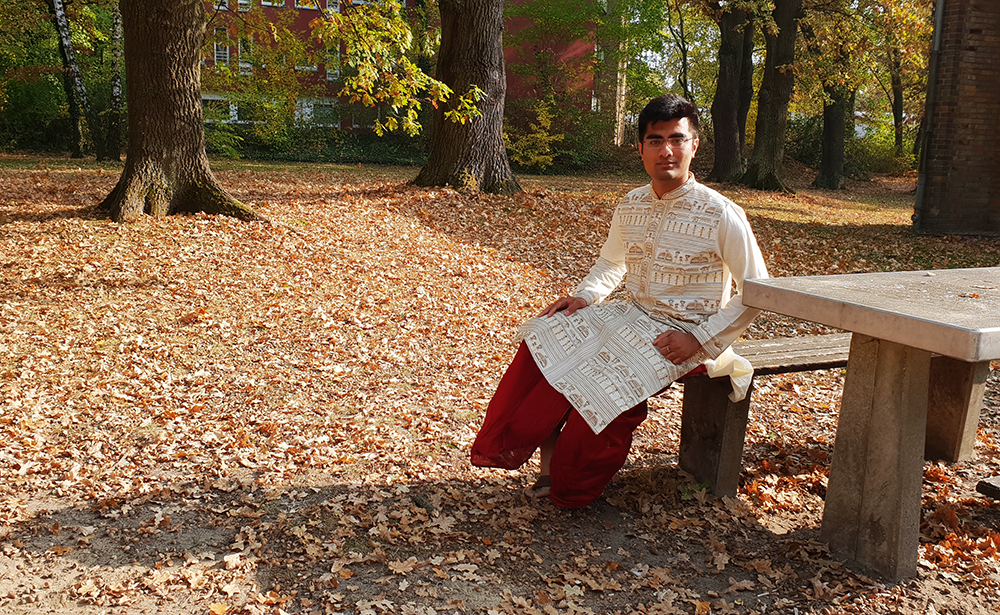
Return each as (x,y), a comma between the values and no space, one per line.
(570,304)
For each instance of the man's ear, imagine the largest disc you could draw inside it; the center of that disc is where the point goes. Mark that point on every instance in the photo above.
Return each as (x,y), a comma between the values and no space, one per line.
(694,146)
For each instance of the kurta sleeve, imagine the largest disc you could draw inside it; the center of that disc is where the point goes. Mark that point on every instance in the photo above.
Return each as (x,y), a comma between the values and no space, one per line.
(609,269)
(743,261)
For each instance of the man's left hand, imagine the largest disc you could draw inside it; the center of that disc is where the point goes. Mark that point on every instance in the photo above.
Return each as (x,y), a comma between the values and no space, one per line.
(677,346)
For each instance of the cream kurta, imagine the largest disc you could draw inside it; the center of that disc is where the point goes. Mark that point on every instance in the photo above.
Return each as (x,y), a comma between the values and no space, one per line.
(679,256)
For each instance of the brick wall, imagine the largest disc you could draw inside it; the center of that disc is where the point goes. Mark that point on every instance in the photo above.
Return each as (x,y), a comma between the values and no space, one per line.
(961,172)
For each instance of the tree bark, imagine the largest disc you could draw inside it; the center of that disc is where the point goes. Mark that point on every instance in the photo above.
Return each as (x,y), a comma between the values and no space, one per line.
(831,170)
(896,77)
(471,156)
(113,128)
(728,166)
(166,168)
(764,167)
(74,75)
(746,81)
(680,40)
(75,130)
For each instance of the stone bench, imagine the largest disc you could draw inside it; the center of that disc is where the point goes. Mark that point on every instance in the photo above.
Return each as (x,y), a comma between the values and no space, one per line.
(713,428)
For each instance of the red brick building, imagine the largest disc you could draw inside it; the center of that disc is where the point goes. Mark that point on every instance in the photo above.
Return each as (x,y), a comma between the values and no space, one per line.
(959,188)
(228,47)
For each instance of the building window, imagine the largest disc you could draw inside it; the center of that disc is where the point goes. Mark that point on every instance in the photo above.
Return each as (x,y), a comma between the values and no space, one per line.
(333,65)
(221,46)
(245,5)
(333,6)
(307,4)
(222,5)
(245,51)
(325,114)
(272,2)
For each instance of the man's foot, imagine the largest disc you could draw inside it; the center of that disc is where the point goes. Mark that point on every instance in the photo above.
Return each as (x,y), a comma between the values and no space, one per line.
(541,488)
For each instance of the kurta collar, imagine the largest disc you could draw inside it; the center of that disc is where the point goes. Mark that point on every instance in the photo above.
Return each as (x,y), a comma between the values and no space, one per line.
(677,192)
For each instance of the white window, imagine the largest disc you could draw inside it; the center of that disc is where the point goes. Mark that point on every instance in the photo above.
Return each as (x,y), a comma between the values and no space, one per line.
(333,6)
(272,2)
(245,5)
(222,5)
(221,46)
(307,4)
(359,2)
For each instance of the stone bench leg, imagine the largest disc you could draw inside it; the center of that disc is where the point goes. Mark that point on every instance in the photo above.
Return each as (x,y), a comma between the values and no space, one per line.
(954,399)
(712,433)
(872,509)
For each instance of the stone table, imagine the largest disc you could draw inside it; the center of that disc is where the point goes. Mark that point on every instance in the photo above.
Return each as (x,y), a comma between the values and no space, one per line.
(900,321)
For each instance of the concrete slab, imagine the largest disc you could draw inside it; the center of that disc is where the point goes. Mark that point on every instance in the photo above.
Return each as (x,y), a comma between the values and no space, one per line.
(953,312)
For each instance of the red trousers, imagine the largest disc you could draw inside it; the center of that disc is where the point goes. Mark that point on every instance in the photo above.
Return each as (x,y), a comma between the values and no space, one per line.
(523,413)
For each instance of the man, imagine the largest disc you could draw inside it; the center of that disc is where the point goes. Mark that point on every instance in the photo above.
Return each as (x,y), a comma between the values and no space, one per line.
(578,385)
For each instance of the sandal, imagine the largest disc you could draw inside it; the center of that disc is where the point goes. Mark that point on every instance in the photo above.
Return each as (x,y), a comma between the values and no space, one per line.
(541,488)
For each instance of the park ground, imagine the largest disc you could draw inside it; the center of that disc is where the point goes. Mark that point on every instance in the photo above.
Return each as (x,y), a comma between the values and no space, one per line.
(201,415)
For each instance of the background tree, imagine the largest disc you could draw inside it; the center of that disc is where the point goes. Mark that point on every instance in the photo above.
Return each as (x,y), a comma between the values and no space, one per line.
(834,47)
(764,167)
(900,32)
(470,155)
(166,169)
(734,89)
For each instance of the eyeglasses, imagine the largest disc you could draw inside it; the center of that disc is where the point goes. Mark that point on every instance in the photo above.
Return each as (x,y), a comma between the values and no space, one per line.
(673,142)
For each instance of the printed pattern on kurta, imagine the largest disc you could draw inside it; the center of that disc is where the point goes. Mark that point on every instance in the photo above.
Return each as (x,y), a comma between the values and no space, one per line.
(673,267)
(602,357)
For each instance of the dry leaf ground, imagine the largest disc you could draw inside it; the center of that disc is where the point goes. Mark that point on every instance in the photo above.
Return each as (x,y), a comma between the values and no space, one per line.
(201,415)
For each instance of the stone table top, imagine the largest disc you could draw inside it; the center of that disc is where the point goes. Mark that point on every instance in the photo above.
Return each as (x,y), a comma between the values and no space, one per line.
(953,312)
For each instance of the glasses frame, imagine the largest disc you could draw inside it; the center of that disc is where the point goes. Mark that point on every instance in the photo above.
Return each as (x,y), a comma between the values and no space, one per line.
(674,143)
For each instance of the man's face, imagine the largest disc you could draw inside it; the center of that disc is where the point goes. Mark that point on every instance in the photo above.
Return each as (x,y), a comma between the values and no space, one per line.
(667,150)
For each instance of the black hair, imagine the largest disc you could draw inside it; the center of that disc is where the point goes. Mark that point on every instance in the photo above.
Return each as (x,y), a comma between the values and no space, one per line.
(666,108)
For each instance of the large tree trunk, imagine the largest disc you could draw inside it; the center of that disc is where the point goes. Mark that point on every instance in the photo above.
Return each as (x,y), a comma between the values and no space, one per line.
(728,166)
(471,155)
(74,76)
(166,169)
(831,169)
(764,168)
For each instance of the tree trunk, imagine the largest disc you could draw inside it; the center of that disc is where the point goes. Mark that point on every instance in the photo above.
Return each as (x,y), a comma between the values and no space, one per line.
(74,75)
(831,170)
(680,39)
(764,168)
(113,129)
(896,76)
(728,166)
(75,130)
(166,169)
(746,81)
(850,124)
(471,156)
